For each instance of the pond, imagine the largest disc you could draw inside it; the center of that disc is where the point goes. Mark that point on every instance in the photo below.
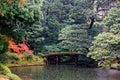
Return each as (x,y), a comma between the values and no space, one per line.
(65,72)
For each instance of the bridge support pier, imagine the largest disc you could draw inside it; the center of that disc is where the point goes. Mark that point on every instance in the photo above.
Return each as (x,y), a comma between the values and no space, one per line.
(76,59)
(57,60)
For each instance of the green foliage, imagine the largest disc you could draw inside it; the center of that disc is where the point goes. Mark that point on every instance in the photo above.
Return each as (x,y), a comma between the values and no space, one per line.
(13,76)
(103,3)
(24,59)
(4,69)
(75,38)
(3,49)
(115,66)
(3,58)
(113,17)
(105,46)
(115,29)
(28,11)
(51,48)
(60,13)
(16,16)
(94,31)
(3,45)
(76,10)
(9,58)
(12,56)
(28,56)
(105,64)
(112,21)
(34,36)
(29,60)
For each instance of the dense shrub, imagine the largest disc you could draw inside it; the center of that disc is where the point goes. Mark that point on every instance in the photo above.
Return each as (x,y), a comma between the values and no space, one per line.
(13,76)
(106,47)
(6,71)
(3,45)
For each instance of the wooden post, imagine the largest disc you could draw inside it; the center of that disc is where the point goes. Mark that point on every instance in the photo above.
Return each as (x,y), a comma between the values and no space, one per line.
(57,60)
(76,59)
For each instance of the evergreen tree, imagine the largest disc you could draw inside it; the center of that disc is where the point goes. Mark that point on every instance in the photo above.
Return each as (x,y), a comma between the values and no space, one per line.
(75,38)
(112,21)
(34,36)
(59,13)
(106,46)
(16,15)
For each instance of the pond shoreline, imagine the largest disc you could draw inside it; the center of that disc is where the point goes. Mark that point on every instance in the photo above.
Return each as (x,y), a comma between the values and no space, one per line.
(26,65)
(44,64)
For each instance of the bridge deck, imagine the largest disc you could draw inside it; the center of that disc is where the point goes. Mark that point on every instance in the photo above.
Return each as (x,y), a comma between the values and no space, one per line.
(61,53)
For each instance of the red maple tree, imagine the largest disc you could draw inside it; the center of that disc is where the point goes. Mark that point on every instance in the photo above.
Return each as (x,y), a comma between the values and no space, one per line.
(18,48)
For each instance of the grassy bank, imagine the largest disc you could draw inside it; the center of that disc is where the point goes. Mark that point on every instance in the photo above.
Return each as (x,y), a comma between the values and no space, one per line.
(14,60)
(6,73)
(23,60)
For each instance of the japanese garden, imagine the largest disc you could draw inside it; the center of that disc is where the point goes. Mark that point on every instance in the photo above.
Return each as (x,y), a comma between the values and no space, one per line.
(59,39)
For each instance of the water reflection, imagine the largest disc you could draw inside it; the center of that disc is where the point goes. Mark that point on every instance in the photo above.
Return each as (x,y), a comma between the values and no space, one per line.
(65,72)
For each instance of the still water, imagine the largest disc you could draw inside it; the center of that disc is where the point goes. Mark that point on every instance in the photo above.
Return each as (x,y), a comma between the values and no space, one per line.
(65,72)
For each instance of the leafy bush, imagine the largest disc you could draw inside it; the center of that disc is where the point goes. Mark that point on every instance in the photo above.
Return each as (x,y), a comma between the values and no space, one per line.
(4,58)
(17,15)
(40,54)
(105,64)
(3,45)
(27,55)
(3,49)
(115,66)
(112,18)
(4,69)
(106,47)
(51,48)
(13,76)
(94,31)
(12,56)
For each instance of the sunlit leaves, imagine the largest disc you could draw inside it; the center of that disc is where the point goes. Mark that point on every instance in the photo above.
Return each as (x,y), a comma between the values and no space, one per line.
(112,18)
(106,46)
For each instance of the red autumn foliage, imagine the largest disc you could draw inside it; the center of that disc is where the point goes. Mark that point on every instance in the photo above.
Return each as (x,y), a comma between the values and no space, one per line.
(12,46)
(20,48)
(24,47)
